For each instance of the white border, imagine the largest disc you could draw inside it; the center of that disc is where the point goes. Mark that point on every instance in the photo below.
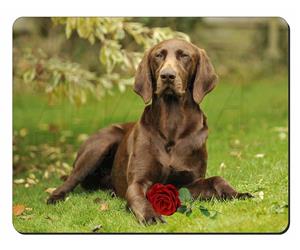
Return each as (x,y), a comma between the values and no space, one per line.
(13,9)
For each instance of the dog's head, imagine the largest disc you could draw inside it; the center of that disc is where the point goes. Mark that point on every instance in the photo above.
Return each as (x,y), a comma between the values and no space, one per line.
(174,67)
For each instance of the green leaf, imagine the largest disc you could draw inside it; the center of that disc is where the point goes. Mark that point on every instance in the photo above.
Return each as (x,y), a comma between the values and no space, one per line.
(182,209)
(188,211)
(204,211)
(210,214)
(185,195)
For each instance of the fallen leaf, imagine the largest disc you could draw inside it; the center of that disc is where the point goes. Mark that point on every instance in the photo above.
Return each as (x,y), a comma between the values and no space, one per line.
(261,195)
(46,175)
(18,209)
(58,163)
(236,154)
(82,137)
(19,181)
(235,143)
(222,166)
(66,166)
(281,129)
(260,155)
(50,190)
(28,208)
(23,132)
(26,217)
(30,181)
(32,176)
(96,228)
(103,207)
(282,136)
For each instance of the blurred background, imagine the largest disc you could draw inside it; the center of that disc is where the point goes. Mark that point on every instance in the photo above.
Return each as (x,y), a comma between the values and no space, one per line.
(72,56)
(73,76)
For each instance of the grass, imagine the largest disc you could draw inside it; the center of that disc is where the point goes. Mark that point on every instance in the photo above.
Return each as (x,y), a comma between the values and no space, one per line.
(248,146)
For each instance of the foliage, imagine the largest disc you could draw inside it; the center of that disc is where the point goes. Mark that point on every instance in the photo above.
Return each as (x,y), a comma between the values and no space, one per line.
(60,77)
(188,204)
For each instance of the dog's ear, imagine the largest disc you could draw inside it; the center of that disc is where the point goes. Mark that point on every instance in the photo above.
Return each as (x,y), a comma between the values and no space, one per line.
(143,79)
(205,79)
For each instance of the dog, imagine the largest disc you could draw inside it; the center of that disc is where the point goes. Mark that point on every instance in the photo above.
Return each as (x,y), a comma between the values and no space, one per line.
(166,145)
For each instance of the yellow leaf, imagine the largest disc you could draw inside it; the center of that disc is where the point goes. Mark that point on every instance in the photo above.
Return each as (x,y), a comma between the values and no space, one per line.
(50,190)
(261,195)
(23,132)
(103,207)
(82,137)
(19,181)
(222,166)
(30,181)
(259,155)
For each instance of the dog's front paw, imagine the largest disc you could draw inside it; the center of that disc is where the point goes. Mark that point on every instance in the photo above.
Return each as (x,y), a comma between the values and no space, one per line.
(56,197)
(147,215)
(243,196)
(152,218)
(225,191)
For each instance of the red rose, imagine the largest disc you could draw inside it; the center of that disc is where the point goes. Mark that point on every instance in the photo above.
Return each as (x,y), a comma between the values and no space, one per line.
(164,198)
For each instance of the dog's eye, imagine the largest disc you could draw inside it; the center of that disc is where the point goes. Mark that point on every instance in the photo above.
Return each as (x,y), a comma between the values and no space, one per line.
(184,56)
(159,55)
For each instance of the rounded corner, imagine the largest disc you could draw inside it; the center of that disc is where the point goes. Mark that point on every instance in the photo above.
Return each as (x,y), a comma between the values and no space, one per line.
(284,22)
(286,228)
(14,227)
(16,20)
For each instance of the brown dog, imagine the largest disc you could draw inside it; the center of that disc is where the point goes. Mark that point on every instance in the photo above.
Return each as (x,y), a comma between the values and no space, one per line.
(167,144)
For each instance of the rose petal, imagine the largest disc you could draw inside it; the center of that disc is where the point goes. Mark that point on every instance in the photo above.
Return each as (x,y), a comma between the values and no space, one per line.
(164,198)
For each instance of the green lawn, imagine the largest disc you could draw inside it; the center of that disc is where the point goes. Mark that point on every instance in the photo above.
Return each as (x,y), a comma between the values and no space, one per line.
(248,146)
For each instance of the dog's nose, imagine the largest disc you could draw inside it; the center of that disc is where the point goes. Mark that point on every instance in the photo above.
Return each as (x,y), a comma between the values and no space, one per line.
(168,75)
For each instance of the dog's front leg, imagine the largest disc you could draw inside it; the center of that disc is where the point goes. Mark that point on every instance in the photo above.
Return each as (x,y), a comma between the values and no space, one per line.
(215,187)
(140,206)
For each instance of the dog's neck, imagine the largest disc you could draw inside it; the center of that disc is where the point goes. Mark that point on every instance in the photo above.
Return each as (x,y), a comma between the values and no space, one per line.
(171,115)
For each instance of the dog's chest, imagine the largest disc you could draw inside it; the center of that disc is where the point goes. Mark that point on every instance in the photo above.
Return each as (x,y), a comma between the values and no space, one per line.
(176,153)
(175,167)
